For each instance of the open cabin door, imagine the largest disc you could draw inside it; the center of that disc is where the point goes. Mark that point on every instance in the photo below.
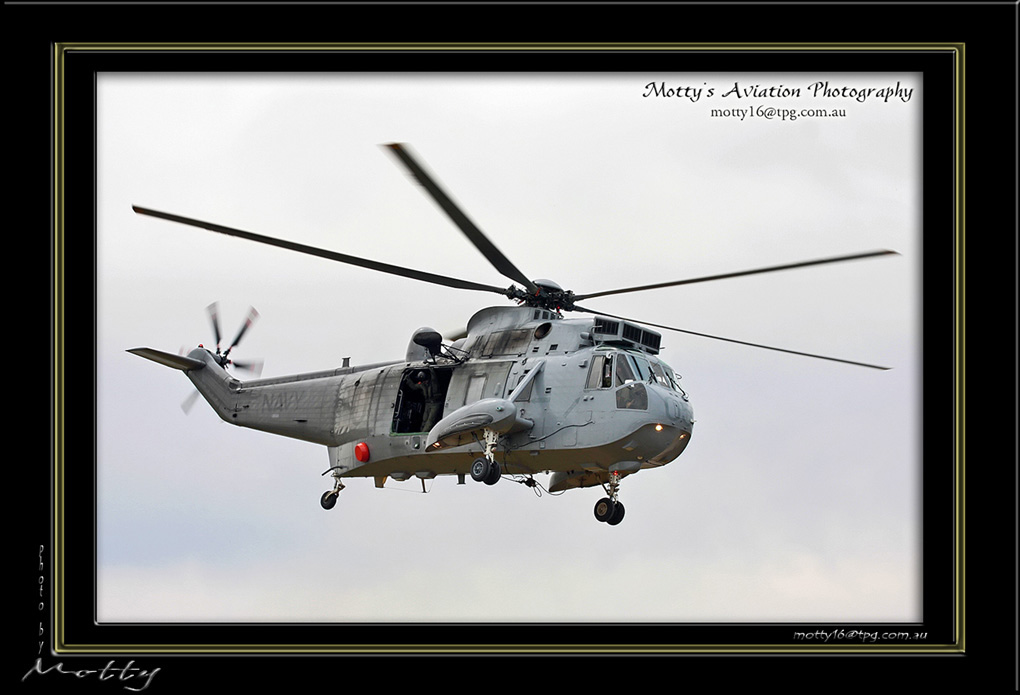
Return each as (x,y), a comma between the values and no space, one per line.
(420,399)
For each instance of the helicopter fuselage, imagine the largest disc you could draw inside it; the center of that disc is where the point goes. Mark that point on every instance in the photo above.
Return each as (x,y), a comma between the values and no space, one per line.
(594,405)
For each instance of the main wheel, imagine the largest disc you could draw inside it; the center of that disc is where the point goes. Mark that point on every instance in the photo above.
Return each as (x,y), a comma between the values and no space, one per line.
(604,509)
(480,470)
(328,499)
(494,473)
(617,516)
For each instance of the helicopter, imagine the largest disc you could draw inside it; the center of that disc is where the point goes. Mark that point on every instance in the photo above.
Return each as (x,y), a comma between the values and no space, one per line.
(523,390)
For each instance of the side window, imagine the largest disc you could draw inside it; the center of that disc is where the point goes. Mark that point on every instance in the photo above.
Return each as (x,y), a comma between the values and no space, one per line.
(607,372)
(601,374)
(598,363)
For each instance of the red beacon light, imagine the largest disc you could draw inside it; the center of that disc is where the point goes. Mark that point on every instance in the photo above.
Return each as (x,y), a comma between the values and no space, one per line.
(361,452)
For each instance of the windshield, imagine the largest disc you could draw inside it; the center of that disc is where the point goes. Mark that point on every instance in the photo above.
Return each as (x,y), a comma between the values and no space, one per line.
(665,376)
(629,368)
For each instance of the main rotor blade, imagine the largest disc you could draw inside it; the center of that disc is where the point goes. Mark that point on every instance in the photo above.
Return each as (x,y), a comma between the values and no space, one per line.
(731,340)
(769,269)
(322,253)
(481,242)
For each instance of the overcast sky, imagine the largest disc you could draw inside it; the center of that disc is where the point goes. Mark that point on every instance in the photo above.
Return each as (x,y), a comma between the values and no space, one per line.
(798,497)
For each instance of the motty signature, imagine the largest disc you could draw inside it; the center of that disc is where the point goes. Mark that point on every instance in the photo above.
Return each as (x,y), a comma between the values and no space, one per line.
(133,679)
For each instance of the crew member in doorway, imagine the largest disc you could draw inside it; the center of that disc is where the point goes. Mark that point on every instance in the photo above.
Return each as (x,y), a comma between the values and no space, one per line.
(424,386)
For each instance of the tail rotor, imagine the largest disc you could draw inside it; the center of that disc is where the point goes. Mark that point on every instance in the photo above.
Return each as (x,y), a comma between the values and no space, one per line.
(223,356)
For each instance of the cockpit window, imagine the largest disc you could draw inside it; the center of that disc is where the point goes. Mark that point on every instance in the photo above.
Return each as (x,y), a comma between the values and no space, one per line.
(601,374)
(644,374)
(628,369)
(671,379)
(632,397)
(624,372)
(661,377)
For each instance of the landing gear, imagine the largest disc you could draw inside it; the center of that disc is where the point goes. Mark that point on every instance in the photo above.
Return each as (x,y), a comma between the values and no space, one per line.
(604,509)
(485,471)
(609,509)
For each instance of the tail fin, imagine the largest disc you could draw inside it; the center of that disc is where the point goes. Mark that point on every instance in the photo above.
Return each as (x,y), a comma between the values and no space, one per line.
(213,384)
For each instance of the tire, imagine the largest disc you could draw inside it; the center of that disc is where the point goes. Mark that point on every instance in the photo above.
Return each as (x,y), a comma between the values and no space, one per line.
(480,470)
(494,474)
(328,499)
(604,509)
(617,516)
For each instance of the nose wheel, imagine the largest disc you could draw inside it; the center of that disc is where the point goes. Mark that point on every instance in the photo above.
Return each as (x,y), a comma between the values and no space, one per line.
(610,509)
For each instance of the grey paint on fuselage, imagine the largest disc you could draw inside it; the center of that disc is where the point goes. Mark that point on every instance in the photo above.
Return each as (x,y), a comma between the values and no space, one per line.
(579,431)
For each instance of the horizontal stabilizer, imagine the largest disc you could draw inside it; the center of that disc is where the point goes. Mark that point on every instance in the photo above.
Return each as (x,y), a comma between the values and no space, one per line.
(168,359)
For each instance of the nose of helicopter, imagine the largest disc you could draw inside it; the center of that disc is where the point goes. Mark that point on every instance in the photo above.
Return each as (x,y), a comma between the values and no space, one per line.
(667,437)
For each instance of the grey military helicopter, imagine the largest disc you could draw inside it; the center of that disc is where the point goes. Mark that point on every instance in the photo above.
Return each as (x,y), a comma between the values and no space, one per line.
(525,390)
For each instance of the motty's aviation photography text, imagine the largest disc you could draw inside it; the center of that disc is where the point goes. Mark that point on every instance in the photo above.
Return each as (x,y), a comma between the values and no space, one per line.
(821,89)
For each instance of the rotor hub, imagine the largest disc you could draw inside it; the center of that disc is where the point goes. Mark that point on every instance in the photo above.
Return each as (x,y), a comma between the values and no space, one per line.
(549,295)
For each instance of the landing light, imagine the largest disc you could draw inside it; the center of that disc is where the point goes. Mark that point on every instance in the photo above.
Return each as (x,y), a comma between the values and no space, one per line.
(658,428)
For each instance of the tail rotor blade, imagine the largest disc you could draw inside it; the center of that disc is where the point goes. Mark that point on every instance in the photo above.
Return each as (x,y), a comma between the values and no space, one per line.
(189,402)
(252,366)
(213,310)
(252,316)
